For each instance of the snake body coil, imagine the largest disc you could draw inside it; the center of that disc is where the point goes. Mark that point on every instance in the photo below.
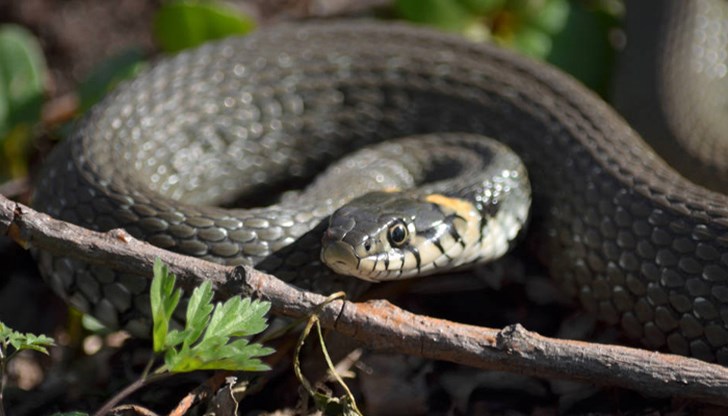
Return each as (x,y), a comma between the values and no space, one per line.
(635,242)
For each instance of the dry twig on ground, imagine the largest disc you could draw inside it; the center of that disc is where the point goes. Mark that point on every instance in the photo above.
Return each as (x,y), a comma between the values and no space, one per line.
(382,326)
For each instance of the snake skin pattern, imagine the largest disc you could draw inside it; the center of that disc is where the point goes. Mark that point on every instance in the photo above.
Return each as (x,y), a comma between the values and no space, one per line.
(637,243)
(672,82)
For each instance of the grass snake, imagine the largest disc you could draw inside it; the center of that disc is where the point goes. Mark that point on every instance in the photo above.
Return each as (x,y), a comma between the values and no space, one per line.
(637,243)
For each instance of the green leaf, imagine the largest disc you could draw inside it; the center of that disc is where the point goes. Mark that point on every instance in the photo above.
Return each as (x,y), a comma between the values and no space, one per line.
(14,151)
(184,24)
(583,48)
(108,74)
(22,75)
(5,331)
(93,325)
(187,359)
(550,17)
(444,14)
(236,356)
(477,31)
(524,7)
(164,299)
(253,317)
(21,341)
(532,41)
(207,342)
(174,338)
(483,6)
(238,317)
(35,342)
(198,312)
(242,349)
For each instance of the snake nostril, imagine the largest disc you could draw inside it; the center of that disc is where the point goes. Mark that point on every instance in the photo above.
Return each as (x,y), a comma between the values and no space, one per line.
(367,245)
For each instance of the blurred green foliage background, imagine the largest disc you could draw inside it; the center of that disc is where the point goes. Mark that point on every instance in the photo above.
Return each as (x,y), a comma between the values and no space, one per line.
(571,34)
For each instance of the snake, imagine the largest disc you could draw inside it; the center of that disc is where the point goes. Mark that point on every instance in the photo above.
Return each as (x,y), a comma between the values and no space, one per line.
(638,244)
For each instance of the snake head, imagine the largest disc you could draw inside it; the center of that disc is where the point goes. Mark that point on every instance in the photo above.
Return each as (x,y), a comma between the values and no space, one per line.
(392,235)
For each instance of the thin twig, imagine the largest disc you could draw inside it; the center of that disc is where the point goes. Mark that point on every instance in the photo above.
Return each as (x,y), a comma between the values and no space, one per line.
(201,392)
(381,325)
(128,390)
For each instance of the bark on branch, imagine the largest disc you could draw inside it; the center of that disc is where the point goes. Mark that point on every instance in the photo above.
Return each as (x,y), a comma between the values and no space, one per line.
(382,326)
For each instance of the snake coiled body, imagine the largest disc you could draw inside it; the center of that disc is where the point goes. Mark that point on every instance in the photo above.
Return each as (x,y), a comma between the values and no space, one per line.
(634,241)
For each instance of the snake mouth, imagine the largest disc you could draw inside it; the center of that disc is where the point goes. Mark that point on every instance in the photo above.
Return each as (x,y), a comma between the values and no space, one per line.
(340,257)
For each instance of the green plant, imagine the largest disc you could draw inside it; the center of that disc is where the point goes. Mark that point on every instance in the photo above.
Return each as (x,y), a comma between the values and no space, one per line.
(325,403)
(573,35)
(22,84)
(526,25)
(187,23)
(211,339)
(12,342)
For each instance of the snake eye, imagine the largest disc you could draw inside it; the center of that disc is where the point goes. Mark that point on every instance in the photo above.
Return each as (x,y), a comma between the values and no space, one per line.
(397,234)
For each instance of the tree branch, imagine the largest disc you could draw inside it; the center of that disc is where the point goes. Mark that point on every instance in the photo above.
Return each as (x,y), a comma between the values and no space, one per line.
(383,326)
